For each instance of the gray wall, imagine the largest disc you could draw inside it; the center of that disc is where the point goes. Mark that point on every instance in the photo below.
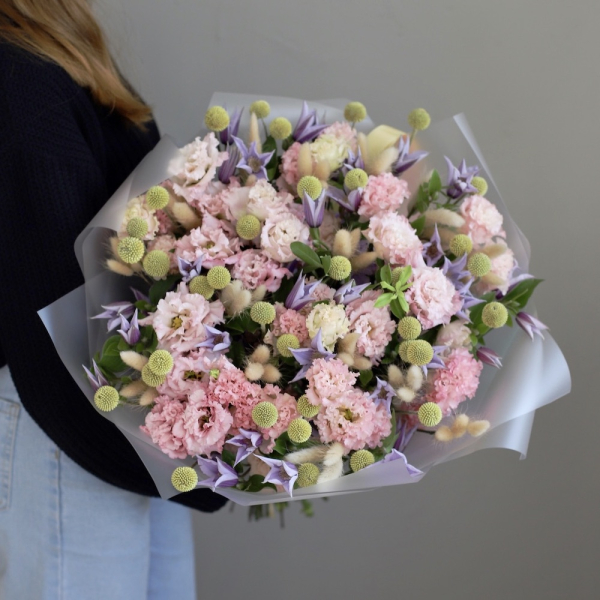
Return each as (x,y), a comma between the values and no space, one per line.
(526,75)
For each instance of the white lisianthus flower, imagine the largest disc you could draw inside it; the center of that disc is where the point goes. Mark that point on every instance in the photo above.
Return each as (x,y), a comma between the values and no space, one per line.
(331,319)
(330,149)
(264,200)
(279,231)
(454,335)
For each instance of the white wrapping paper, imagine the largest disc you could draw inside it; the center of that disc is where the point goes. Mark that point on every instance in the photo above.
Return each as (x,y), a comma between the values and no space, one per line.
(534,373)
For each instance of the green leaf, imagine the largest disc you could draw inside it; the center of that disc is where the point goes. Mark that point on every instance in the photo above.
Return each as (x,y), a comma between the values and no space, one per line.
(269,144)
(386,274)
(403,303)
(255,484)
(390,440)
(387,286)
(384,300)
(396,308)
(405,275)
(418,225)
(521,293)
(422,200)
(160,288)
(307,508)
(435,183)
(365,377)
(305,254)
(228,456)
(326,262)
(237,354)
(111,358)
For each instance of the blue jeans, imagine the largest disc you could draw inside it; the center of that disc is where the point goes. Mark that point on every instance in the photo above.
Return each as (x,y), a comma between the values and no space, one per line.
(66,535)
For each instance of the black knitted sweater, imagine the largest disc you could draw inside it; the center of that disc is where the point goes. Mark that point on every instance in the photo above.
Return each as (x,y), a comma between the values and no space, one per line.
(61,157)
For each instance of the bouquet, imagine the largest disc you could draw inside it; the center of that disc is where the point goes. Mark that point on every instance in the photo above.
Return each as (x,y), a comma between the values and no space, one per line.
(299,304)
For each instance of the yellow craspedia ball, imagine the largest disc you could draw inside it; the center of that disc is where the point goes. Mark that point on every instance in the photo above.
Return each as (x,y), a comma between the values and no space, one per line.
(430,414)
(280,128)
(157,264)
(286,343)
(248,227)
(157,197)
(261,108)
(130,250)
(262,313)
(340,268)
(311,185)
(308,474)
(419,119)
(216,118)
(137,227)
(403,349)
(299,430)
(480,184)
(265,414)
(106,398)
(218,277)
(150,378)
(184,479)
(200,285)
(494,315)
(356,178)
(160,362)
(419,352)
(461,244)
(361,459)
(306,409)
(409,328)
(355,112)
(479,264)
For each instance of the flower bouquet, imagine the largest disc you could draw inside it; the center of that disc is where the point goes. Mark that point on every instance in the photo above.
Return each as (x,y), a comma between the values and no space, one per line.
(299,304)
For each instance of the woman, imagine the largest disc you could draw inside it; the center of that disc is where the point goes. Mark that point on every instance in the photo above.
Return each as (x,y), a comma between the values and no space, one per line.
(76,517)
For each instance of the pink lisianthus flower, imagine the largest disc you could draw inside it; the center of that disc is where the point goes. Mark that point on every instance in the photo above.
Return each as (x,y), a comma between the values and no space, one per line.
(456,382)
(287,411)
(374,325)
(328,380)
(265,200)
(383,193)
(254,268)
(180,318)
(354,421)
(195,166)
(432,297)
(164,425)
(483,221)
(165,223)
(211,199)
(166,243)
(343,131)
(278,233)
(394,239)
(190,372)
(289,165)
(216,240)
(205,424)
(288,320)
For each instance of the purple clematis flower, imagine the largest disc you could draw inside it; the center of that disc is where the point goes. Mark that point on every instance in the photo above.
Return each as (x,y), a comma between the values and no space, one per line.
(459,179)
(301,293)
(139,296)
(226,136)
(252,161)
(306,356)
(227,169)
(308,127)
(437,361)
(216,340)
(282,473)
(405,433)
(432,250)
(489,357)
(247,442)
(188,269)
(350,200)
(220,474)
(405,159)
(384,393)
(354,161)
(97,380)
(113,313)
(130,330)
(349,292)
(314,210)
(530,325)
(462,280)
(395,455)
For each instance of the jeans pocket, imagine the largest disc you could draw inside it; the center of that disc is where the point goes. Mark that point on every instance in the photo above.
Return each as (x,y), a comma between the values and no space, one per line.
(9,414)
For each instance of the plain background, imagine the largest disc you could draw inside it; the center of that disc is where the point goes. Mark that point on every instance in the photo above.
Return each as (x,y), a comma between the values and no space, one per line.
(526,75)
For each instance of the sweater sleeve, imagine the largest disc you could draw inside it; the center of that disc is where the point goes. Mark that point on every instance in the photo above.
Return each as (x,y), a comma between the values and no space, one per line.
(52,182)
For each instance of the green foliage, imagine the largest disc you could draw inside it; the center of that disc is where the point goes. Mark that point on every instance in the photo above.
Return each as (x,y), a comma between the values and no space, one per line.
(365,378)
(306,254)
(242,323)
(159,289)
(418,225)
(518,297)
(435,184)
(110,357)
(307,508)
(395,294)
(237,354)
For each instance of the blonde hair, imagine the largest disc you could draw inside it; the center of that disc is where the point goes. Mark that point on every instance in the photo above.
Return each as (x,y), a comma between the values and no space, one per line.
(66,33)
